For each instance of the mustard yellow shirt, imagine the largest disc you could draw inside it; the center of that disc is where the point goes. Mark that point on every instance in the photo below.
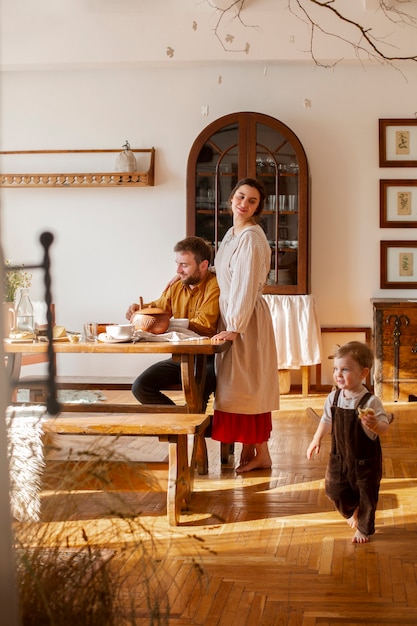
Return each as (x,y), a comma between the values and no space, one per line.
(200,304)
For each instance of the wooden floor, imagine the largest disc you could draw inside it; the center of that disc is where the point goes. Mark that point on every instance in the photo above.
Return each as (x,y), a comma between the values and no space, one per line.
(261,549)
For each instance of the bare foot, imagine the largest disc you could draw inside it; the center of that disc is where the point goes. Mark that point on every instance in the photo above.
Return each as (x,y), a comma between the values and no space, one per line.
(247,454)
(359,537)
(260,461)
(353,521)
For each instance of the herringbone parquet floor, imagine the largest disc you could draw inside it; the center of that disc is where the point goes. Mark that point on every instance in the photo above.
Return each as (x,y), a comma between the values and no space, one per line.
(262,549)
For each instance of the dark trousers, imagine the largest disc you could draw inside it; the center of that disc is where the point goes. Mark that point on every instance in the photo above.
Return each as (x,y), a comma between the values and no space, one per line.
(165,374)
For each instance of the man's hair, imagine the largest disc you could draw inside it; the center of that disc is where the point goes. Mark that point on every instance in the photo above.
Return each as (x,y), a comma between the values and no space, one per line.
(197,246)
(360,352)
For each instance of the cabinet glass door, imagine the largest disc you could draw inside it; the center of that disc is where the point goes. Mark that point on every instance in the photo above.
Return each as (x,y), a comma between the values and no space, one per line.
(255,145)
(277,168)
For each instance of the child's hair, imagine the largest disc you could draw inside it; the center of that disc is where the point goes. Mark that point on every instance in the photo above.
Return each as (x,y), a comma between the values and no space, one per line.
(359,351)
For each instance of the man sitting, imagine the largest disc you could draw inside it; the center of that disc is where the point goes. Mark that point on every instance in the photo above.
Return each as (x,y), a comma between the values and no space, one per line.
(196,297)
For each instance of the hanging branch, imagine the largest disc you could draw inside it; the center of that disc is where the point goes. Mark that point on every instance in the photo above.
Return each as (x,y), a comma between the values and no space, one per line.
(236,7)
(363,41)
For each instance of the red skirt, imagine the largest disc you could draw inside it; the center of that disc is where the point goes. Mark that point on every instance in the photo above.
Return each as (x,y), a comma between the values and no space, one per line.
(231,427)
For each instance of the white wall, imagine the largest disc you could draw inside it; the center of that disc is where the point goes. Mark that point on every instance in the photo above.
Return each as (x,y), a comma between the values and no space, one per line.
(112,245)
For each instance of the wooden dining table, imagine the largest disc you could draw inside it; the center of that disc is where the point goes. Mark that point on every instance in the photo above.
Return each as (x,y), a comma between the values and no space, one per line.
(191,354)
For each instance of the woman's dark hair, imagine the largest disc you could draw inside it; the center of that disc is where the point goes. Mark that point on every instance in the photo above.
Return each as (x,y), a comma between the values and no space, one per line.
(252,182)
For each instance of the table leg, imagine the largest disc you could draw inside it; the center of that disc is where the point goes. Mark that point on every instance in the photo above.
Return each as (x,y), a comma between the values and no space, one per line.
(179,478)
(193,376)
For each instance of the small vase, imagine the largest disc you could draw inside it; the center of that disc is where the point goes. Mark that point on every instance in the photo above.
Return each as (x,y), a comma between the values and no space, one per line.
(9,318)
(126,161)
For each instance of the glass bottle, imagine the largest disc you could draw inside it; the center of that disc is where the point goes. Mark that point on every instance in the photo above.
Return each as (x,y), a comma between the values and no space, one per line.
(24,313)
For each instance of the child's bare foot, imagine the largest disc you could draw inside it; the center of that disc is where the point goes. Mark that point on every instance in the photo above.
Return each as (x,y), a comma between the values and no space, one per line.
(359,537)
(353,521)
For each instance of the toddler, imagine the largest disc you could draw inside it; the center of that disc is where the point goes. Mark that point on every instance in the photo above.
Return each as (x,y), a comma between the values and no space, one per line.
(355,418)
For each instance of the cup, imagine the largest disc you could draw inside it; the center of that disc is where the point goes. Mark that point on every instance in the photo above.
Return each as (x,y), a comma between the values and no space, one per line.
(272,201)
(90,331)
(120,331)
(291,203)
(281,203)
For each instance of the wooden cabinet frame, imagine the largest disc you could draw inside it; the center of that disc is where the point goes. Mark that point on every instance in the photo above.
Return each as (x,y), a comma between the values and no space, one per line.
(246,145)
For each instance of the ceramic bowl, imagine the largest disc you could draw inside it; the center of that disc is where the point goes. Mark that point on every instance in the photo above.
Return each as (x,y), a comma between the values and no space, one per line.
(151,319)
(179,322)
(75,337)
(120,331)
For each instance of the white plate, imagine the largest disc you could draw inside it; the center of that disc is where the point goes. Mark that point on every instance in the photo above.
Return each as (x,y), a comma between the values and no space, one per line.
(105,338)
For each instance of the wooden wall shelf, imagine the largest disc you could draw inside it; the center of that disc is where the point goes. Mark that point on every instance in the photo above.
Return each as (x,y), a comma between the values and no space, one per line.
(72,179)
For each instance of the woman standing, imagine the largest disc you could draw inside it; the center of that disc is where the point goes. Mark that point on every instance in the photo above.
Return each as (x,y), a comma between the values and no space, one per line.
(247,374)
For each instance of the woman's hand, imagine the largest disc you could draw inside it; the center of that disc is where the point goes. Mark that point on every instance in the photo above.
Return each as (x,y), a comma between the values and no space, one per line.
(224,335)
(173,280)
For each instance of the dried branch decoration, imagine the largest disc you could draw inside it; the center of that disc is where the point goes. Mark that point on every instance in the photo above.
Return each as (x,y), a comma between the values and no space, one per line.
(360,35)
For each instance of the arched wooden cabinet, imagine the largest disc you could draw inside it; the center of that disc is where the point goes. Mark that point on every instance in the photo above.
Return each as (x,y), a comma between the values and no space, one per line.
(259,146)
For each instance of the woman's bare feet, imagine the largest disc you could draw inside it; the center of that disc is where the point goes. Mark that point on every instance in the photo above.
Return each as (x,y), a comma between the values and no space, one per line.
(262,460)
(359,537)
(247,454)
(353,521)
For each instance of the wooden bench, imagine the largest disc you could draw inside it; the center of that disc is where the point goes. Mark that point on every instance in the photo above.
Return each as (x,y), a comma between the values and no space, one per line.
(37,385)
(171,427)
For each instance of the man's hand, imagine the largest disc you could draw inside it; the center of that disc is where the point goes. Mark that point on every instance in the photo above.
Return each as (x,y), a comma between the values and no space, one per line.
(131,310)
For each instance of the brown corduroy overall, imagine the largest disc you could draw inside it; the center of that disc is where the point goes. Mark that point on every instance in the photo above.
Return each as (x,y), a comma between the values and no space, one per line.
(354,470)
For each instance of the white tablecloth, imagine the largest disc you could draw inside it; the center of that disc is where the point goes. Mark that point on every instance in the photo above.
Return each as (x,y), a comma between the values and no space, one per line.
(297,330)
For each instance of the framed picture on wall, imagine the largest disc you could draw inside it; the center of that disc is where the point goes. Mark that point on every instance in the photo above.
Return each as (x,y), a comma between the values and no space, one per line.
(398,264)
(331,338)
(398,143)
(398,203)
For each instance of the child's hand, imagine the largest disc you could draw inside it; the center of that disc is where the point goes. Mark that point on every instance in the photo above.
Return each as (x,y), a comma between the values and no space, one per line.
(313,448)
(367,416)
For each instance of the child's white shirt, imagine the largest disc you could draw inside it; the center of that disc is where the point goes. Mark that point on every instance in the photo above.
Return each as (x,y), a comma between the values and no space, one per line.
(374,403)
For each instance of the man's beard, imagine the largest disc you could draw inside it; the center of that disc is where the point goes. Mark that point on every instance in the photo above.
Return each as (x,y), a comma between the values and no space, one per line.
(192,280)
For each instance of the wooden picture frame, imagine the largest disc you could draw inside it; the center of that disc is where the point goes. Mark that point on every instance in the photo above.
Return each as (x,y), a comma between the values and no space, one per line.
(398,142)
(398,203)
(338,335)
(398,264)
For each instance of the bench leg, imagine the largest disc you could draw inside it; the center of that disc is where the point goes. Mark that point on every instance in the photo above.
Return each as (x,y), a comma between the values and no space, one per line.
(179,482)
